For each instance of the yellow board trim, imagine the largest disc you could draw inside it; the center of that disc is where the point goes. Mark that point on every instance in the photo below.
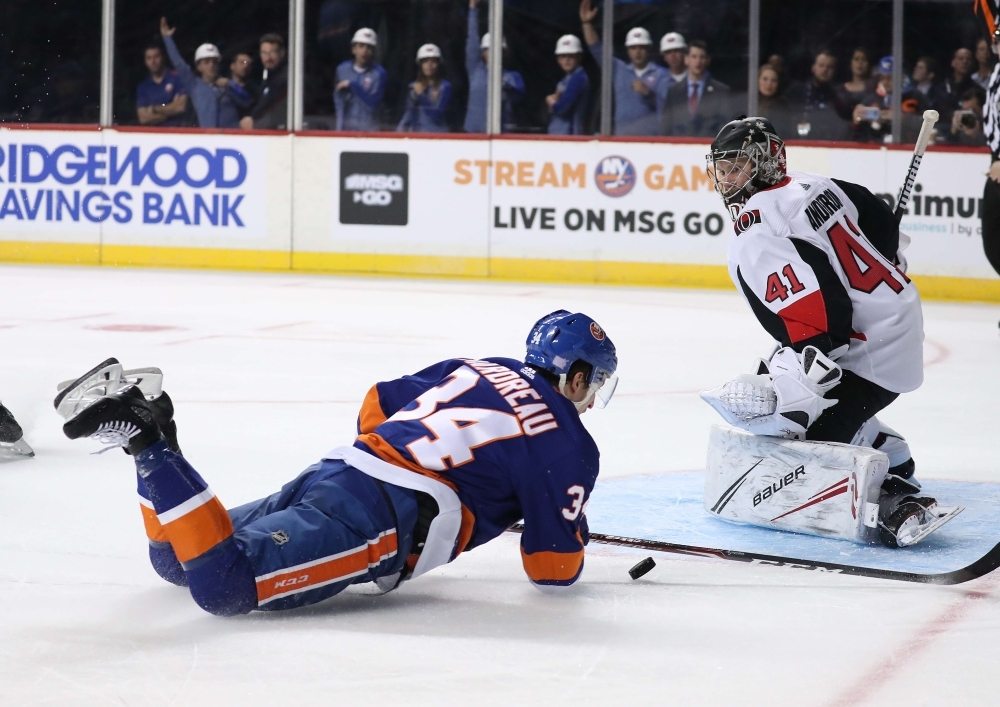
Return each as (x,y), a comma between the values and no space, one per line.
(932,287)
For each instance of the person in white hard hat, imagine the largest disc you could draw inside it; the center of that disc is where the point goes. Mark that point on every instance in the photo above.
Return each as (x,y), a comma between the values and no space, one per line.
(634,83)
(568,104)
(360,85)
(673,49)
(476,57)
(429,97)
(216,104)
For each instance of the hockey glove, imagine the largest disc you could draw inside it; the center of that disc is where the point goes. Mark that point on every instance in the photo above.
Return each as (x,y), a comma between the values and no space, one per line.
(783,401)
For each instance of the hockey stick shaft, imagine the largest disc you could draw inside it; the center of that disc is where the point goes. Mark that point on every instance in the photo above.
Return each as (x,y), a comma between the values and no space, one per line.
(984,565)
(930,118)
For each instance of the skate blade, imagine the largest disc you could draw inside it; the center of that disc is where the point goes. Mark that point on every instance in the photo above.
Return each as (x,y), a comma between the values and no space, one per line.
(77,395)
(942,515)
(12,451)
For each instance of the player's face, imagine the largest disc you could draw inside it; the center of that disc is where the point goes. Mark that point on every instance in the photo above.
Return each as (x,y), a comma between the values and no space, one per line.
(730,175)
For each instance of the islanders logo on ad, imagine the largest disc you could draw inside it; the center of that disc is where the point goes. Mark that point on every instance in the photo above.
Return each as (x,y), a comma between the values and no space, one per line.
(615,176)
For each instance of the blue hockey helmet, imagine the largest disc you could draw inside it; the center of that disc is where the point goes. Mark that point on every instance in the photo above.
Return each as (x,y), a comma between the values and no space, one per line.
(561,338)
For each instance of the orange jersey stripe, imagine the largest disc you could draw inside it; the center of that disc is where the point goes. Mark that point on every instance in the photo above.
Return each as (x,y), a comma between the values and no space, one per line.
(198,531)
(327,570)
(154,531)
(371,415)
(552,566)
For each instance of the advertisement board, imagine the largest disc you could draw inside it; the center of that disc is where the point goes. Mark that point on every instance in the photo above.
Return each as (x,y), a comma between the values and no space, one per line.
(513,208)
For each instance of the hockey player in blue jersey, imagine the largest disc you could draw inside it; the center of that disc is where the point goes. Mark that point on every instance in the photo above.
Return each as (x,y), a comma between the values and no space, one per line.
(445,460)
(360,85)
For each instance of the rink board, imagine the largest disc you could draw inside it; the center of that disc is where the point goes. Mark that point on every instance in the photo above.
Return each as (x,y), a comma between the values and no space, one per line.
(669,508)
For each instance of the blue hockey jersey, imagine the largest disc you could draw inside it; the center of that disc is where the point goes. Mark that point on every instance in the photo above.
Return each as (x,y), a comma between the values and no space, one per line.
(505,441)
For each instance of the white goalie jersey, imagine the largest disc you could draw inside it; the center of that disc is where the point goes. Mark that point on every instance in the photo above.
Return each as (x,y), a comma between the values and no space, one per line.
(818,261)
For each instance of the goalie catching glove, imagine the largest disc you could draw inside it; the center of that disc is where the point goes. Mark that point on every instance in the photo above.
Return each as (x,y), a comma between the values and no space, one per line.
(783,398)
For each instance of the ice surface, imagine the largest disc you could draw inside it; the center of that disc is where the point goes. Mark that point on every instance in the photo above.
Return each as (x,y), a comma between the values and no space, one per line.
(267,372)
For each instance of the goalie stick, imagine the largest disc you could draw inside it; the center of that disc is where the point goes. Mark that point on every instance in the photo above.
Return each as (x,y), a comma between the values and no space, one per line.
(984,565)
(930,118)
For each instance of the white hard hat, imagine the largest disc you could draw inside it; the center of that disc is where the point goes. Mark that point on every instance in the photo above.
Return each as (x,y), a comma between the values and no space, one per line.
(207,51)
(485,43)
(671,41)
(569,44)
(428,51)
(365,36)
(637,36)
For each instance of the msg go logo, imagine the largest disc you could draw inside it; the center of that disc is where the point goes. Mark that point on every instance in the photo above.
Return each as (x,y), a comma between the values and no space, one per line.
(374,188)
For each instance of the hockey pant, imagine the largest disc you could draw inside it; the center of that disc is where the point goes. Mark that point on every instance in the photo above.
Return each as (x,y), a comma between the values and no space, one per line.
(852,421)
(991,223)
(330,527)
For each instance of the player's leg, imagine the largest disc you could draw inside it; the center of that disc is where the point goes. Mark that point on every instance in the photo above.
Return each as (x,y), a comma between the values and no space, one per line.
(991,223)
(344,523)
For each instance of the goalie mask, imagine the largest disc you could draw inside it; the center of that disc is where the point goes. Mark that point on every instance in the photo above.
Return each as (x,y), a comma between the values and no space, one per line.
(747,157)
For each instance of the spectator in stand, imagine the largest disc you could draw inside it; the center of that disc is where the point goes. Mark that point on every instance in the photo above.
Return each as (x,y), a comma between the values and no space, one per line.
(429,97)
(778,63)
(872,117)
(512,87)
(568,104)
(673,49)
(967,121)
(770,104)
(360,87)
(161,99)
(239,70)
(813,104)
(984,60)
(634,83)
(924,81)
(851,93)
(958,82)
(217,101)
(698,106)
(270,111)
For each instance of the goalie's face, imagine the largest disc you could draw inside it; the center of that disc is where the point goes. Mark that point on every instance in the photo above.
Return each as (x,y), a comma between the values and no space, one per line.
(729,175)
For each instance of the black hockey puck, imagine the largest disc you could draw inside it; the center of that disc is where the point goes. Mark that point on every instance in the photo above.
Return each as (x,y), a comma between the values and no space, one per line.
(642,568)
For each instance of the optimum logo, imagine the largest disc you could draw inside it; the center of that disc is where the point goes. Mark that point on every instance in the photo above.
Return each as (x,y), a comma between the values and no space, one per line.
(374,188)
(615,176)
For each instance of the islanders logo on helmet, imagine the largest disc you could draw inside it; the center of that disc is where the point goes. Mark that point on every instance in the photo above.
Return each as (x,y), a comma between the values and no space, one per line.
(596,331)
(615,176)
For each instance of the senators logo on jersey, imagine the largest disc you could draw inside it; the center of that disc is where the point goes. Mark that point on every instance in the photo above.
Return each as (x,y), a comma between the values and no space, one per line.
(746,220)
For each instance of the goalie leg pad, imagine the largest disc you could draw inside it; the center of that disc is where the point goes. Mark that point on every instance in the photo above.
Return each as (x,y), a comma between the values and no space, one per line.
(816,488)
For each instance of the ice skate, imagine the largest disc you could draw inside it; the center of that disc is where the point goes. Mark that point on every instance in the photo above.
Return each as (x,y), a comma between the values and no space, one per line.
(104,379)
(905,520)
(12,444)
(123,419)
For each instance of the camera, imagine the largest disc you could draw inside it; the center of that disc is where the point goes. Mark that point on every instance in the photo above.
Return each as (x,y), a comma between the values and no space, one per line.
(967,118)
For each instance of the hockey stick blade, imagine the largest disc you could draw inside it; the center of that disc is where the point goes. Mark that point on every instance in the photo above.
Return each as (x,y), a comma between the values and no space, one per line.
(984,565)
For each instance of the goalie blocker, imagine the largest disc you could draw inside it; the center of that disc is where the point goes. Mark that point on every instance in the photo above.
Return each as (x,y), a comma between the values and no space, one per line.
(817,488)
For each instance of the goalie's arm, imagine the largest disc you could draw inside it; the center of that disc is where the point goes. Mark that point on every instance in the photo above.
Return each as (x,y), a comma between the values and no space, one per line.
(795,293)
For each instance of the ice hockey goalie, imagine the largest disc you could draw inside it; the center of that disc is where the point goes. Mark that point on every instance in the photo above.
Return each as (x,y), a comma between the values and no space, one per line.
(819,261)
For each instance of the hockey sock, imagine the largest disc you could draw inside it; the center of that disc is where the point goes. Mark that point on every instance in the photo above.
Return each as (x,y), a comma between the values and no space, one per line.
(198,529)
(161,554)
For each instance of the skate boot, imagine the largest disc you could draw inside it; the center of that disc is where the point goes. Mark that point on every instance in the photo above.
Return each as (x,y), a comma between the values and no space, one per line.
(122,419)
(12,444)
(163,413)
(904,518)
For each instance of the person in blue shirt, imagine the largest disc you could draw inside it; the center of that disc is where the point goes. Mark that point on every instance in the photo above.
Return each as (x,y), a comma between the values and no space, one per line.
(634,82)
(476,56)
(445,460)
(360,85)
(217,101)
(429,95)
(160,99)
(568,104)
